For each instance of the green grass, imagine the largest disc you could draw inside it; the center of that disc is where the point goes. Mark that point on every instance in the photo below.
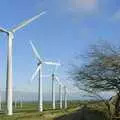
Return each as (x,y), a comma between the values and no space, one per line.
(29,111)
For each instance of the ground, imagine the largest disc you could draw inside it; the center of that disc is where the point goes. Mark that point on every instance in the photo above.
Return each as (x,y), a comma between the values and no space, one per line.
(76,111)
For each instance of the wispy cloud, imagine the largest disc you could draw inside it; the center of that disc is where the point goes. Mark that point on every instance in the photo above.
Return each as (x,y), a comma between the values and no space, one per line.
(84,5)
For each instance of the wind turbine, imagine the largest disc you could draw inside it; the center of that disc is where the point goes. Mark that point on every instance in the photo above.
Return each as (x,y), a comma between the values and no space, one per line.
(60,91)
(53,87)
(15,103)
(15,97)
(10,34)
(60,95)
(39,70)
(0,101)
(65,97)
(21,102)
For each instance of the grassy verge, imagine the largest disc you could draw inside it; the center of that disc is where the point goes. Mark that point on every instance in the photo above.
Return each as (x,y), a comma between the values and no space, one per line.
(29,112)
(93,111)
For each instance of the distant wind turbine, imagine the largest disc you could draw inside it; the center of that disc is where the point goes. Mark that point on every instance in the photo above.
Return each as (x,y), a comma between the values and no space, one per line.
(15,103)
(10,34)
(0,101)
(53,86)
(65,97)
(60,92)
(15,97)
(21,102)
(39,70)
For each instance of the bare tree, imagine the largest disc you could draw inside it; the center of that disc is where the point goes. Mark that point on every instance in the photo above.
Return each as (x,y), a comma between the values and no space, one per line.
(101,72)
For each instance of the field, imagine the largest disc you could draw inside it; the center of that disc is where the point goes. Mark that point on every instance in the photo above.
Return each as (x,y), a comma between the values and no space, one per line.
(75,111)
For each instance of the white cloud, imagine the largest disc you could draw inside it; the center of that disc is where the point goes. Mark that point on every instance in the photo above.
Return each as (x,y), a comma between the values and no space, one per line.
(84,5)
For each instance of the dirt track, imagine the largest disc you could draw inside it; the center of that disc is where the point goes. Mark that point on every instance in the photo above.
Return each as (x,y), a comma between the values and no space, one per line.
(83,114)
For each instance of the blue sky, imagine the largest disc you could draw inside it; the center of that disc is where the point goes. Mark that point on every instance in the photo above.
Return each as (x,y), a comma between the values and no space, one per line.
(68,28)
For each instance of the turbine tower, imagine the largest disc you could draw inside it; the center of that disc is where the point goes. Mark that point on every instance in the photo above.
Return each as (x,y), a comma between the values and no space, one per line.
(53,87)
(9,77)
(15,103)
(53,91)
(60,95)
(21,102)
(60,92)
(15,97)
(39,70)
(65,97)
(0,101)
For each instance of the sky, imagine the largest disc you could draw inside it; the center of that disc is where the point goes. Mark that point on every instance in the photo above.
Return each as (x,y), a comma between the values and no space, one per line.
(67,29)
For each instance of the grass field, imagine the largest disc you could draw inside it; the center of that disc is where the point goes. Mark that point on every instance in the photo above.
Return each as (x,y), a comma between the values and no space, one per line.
(75,111)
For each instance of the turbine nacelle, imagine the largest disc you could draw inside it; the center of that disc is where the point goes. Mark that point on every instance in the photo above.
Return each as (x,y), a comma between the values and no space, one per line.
(11,35)
(39,63)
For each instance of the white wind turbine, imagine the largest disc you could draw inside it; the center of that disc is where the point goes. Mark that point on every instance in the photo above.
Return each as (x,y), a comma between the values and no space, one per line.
(65,97)
(70,87)
(21,102)
(0,99)
(60,91)
(0,102)
(39,70)
(15,97)
(15,103)
(10,34)
(53,84)
(53,87)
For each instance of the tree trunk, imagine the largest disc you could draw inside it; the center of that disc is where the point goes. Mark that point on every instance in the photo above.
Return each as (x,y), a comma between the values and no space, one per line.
(117,105)
(109,110)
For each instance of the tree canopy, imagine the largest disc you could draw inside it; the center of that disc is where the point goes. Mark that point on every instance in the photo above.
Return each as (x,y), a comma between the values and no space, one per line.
(102,70)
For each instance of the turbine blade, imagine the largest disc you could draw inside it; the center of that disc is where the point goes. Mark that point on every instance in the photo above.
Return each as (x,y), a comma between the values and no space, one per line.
(35,51)
(56,68)
(58,80)
(3,30)
(52,63)
(23,24)
(35,74)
